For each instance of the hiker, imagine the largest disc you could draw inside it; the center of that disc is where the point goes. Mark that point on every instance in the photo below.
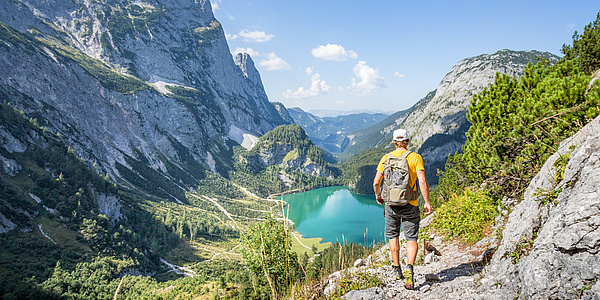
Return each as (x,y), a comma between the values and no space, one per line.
(403,212)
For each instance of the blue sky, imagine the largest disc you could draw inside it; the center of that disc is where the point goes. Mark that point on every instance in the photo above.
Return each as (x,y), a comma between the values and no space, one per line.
(383,54)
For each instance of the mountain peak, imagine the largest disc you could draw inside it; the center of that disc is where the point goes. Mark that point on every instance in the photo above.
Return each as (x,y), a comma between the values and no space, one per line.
(246,64)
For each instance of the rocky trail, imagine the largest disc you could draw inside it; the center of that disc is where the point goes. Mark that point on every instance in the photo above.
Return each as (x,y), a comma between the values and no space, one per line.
(446,271)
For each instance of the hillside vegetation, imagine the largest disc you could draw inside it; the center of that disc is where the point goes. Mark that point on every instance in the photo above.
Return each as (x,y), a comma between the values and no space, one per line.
(517,125)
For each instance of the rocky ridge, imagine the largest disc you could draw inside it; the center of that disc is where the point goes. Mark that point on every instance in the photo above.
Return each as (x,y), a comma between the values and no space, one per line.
(549,246)
(438,122)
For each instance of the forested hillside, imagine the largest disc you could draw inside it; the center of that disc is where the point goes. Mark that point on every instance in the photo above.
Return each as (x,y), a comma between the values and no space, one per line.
(283,159)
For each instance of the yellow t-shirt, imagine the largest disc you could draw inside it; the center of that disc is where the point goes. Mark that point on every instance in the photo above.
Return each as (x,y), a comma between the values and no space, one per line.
(415,163)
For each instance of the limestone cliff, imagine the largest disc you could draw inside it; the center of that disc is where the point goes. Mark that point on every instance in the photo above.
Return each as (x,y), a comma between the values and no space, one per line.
(146,90)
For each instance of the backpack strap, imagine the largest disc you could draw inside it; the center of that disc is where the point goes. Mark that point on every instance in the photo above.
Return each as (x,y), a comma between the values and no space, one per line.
(405,154)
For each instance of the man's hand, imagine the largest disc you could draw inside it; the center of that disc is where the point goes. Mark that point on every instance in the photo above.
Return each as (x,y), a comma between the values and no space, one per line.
(427,208)
(379,200)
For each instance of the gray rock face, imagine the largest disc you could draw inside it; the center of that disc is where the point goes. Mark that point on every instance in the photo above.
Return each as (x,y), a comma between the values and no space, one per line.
(110,206)
(10,166)
(6,225)
(10,143)
(287,157)
(563,260)
(246,64)
(168,45)
(375,293)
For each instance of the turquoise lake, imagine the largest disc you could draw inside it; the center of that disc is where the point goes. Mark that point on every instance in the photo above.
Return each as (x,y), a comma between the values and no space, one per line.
(336,214)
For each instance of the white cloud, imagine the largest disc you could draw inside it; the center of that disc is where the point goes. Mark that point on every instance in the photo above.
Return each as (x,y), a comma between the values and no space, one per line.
(367,79)
(215,4)
(250,36)
(250,51)
(255,36)
(333,52)
(317,87)
(274,63)
(231,37)
(397,74)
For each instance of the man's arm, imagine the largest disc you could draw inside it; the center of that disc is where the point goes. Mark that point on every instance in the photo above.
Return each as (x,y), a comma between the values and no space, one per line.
(424,191)
(377,188)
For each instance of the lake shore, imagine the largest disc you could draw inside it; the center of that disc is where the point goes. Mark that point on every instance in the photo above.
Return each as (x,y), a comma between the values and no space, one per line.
(334,214)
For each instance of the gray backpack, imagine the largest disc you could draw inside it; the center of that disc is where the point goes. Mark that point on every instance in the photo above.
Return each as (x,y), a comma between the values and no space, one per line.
(396,189)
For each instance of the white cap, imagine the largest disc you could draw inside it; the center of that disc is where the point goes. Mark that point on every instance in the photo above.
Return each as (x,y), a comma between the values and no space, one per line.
(400,135)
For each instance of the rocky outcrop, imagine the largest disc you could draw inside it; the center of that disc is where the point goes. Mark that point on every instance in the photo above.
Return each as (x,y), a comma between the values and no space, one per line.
(6,225)
(10,166)
(561,221)
(110,206)
(288,157)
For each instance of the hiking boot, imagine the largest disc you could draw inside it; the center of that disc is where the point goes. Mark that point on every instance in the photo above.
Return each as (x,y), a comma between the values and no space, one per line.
(398,271)
(408,279)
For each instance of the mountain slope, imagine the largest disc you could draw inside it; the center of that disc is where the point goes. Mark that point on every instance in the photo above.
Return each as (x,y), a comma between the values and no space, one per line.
(437,123)
(158,97)
(283,159)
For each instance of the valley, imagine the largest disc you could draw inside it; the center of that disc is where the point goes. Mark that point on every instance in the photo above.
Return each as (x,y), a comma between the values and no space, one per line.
(141,159)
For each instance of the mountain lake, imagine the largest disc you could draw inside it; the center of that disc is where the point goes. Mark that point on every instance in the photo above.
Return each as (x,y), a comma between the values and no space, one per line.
(336,214)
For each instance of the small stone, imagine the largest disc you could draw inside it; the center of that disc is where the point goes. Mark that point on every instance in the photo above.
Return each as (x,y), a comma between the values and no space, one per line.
(359,262)
(335,275)
(425,288)
(429,258)
(433,249)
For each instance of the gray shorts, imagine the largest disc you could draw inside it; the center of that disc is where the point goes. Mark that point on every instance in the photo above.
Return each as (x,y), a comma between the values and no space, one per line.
(408,216)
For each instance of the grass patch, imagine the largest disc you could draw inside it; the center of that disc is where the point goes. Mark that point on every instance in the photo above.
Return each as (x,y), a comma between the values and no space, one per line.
(359,281)
(291,155)
(63,236)
(466,216)
(312,243)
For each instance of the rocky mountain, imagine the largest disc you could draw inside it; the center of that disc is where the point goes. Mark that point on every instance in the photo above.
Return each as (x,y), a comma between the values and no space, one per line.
(288,147)
(330,132)
(147,91)
(437,123)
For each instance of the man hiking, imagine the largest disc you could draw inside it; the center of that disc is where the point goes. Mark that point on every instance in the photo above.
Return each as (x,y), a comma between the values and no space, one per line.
(401,203)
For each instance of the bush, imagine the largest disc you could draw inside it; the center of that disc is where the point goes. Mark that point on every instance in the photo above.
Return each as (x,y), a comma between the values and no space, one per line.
(466,216)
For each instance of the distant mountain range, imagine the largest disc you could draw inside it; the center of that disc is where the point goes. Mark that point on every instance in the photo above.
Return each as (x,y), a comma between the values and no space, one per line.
(324,113)
(330,132)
